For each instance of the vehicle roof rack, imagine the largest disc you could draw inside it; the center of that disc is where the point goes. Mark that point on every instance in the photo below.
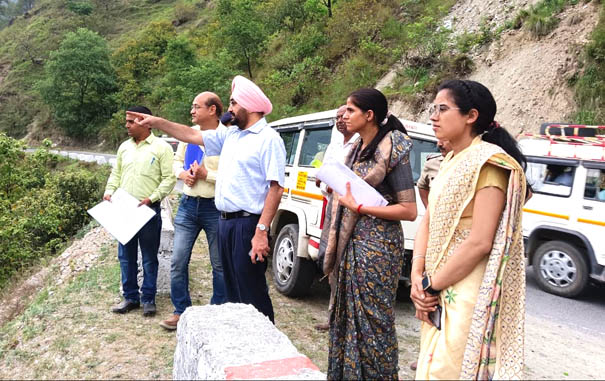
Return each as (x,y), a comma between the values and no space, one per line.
(566,129)
(573,141)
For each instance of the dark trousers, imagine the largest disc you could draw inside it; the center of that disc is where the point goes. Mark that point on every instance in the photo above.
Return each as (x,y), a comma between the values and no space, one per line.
(148,238)
(244,281)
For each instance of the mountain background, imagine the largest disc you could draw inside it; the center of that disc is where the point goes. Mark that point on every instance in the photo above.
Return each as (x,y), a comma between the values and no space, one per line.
(69,68)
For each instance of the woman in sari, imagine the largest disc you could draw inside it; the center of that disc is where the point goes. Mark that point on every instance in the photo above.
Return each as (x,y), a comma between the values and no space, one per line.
(468,252)
(365,243)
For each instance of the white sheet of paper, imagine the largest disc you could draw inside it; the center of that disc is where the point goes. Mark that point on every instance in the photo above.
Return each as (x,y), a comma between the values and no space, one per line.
(122,217)
(337,175)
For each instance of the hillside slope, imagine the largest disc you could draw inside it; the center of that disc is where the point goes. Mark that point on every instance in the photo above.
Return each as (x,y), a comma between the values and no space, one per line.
(529,77)
(163,52)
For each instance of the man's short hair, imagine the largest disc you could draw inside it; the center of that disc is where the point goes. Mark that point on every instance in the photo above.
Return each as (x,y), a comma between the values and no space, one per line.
(140,109)
(215,101)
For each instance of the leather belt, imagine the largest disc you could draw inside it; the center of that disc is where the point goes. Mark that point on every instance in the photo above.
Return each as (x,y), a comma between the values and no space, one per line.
(230,215)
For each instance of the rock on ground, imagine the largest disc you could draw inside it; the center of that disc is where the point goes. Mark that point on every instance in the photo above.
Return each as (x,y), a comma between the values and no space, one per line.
(235,341)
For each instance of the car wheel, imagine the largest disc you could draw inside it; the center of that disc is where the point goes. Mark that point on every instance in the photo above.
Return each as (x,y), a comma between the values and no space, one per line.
(560,269)
(292,274)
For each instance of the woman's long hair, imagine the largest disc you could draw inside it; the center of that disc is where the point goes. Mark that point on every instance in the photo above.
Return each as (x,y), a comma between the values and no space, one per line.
(469,95)
(372,99)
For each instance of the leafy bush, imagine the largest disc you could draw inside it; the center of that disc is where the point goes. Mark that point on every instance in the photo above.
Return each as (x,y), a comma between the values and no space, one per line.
(541,19)
(43,202)
(83,8)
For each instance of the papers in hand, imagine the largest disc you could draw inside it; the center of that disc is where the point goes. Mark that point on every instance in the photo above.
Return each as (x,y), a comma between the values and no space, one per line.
(337,175)
(122,217)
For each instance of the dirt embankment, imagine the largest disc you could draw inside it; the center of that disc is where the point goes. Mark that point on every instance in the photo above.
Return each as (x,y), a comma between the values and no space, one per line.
(527,76)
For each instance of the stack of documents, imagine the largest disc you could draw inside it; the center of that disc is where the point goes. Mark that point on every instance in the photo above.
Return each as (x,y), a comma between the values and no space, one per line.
(336,175)
(122,217)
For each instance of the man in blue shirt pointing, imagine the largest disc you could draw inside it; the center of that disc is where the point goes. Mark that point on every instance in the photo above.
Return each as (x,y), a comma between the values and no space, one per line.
(249,187)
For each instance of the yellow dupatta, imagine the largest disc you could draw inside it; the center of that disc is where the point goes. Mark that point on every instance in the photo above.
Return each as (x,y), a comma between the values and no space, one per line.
(494,343)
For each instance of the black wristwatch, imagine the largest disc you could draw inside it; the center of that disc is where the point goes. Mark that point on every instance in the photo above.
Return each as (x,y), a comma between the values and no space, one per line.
(426,286)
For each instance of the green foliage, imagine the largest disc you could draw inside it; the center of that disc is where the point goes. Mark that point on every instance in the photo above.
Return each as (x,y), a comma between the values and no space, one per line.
(80,83)
(43,202)
(243,29)
(467,41)
(541,18)
(114,132)
(185,77)
(83,8)
(138,59)
(590,85)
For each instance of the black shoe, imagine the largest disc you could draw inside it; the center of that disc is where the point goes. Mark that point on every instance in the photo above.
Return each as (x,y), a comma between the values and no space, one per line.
(149,309)
(125,306)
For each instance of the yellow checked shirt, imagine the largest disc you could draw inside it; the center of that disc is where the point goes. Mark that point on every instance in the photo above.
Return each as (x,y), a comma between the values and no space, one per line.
(201,188)
(143,170)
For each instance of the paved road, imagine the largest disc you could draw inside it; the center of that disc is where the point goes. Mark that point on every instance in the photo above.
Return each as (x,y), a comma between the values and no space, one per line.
(585,313)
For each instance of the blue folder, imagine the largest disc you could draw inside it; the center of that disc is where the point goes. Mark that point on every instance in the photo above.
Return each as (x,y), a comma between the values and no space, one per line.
(193,153)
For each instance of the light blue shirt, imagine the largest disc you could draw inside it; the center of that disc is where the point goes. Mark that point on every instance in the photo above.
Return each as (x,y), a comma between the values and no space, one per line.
(249,160)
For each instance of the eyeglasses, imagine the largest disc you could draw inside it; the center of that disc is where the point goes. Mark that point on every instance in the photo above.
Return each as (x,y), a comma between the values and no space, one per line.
(439,108)
(197,107)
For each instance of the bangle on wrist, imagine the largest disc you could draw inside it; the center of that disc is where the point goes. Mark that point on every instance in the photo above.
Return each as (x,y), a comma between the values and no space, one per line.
(417,256)
(359,208)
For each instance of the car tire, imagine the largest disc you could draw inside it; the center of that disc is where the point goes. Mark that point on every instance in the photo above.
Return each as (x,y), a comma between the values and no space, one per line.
(560,269)
(292,274)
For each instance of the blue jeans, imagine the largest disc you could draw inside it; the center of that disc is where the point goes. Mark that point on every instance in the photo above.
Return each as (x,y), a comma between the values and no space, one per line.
(149,240)
(194,214)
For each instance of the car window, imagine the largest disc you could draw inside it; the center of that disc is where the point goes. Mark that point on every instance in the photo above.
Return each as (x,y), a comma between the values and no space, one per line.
(553,179)
(595,185)
(314,147)
(421,149)
(291,142)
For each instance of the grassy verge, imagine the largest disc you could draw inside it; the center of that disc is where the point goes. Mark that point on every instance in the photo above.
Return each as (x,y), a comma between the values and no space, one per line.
(67,331)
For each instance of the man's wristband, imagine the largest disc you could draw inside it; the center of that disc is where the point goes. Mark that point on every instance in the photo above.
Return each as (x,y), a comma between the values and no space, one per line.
(359,208)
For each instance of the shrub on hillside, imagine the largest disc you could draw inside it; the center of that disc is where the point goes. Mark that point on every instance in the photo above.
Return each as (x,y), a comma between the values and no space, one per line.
(46,204)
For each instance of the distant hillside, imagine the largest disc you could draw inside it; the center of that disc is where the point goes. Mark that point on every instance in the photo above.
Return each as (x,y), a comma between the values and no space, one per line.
(68,68)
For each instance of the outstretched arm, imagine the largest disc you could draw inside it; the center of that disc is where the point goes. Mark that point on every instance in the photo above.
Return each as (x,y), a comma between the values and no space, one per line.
(179,131)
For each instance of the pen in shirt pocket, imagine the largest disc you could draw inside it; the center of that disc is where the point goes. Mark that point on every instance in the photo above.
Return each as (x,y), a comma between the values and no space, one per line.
(152,160)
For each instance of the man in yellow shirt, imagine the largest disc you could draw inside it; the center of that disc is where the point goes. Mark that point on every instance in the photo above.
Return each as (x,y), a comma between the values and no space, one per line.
(197,210)
(143,169)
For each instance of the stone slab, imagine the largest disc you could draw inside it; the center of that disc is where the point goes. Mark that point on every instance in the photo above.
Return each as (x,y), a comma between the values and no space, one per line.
(235,341)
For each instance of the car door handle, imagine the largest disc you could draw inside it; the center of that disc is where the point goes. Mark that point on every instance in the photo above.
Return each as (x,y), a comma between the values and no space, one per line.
(287,174)
(587,207)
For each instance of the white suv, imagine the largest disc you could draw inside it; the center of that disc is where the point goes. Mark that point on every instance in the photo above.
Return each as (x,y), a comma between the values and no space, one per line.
(299,218)
(564,221)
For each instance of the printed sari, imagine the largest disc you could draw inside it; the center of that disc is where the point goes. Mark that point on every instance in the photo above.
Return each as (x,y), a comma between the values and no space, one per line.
(483,314)
(368,254)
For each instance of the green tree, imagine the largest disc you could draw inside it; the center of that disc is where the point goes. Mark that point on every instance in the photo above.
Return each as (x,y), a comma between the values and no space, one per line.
(79,84)
(185,77)
(242,30)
